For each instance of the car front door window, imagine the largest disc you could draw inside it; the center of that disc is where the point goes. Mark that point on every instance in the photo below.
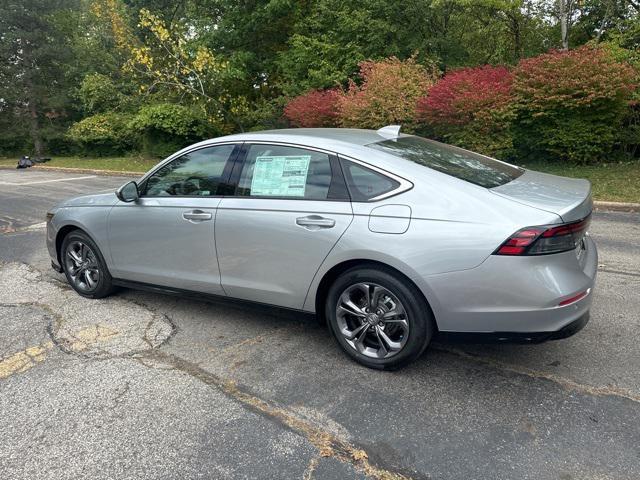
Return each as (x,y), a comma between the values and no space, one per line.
(197,173)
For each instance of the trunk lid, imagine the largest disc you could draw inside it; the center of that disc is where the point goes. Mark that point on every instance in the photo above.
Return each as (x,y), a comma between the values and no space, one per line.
(570,198)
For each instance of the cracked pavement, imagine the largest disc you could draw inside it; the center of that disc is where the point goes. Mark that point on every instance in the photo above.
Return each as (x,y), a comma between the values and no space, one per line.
(146,386)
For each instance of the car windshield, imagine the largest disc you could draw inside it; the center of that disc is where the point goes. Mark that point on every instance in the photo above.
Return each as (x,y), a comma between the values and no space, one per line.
(454,161)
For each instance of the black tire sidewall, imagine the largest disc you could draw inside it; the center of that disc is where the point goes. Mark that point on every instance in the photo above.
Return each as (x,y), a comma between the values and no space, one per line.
(421,322)
(105,285)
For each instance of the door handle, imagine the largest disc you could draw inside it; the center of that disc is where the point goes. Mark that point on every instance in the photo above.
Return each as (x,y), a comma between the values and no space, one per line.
(197,216)
(315,221)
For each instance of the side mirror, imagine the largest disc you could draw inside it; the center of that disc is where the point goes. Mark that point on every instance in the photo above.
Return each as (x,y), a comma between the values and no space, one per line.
(128,192)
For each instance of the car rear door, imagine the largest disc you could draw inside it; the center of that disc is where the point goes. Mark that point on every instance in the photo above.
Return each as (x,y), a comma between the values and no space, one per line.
(167,237)
(289,209)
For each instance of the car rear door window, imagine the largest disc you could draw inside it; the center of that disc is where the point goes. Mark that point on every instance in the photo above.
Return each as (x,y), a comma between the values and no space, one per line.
(278,171)
(457,162)
(365,184)
(197,173)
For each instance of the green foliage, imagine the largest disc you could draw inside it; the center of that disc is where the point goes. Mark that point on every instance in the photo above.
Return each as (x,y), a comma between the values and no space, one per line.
(264,114)
(103,133)
(312,63)
(170,118)
(231,66)
(624,46)
(35,84)
(167,127)
(98,93)
(571,105)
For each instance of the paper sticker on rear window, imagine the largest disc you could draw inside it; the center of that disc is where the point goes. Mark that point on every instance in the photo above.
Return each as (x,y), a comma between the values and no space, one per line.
(280,176)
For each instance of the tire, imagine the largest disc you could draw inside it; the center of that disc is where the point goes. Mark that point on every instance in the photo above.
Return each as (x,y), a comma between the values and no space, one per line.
(84,266)
(387,332)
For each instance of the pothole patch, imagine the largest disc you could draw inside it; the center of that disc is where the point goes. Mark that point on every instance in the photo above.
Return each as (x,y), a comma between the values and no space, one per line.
(91,328)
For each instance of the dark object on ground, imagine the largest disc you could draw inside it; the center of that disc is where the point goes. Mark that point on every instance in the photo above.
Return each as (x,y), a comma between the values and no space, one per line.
(25,162)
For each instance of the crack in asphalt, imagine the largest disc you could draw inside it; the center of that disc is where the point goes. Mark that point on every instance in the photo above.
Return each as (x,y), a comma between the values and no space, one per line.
(313,464)
(7,226)
(564,382)
(327,443)
(619,272)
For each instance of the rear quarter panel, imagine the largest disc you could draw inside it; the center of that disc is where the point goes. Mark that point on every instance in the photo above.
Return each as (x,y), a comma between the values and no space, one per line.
(454,226)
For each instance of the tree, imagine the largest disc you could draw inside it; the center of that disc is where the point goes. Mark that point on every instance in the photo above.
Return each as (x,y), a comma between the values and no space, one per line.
(34,85)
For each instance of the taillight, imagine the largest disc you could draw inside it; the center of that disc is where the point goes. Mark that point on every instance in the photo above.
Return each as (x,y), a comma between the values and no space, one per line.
(545,239)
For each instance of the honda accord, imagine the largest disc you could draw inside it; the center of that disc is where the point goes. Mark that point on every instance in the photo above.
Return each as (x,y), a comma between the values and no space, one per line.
(390,238)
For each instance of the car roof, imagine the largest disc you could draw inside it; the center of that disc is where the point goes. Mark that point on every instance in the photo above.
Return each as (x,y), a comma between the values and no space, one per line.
(327,138)
(349,142)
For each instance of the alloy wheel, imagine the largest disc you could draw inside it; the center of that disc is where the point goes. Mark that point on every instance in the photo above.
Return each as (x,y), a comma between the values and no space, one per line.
(82,266)
(372,320)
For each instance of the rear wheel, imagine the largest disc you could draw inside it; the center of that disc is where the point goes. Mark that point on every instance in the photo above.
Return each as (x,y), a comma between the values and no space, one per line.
(84,266)
(379,318)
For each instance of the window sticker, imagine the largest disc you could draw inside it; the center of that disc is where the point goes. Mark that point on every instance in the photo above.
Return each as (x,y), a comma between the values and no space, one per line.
(280,176)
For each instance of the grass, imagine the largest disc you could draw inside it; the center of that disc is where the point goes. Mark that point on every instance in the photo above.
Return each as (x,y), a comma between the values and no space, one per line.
(616,182)
(613,182)
(115,164)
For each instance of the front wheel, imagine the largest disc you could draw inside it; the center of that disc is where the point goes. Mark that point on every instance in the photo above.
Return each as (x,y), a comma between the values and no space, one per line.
(84,266)
(378,317)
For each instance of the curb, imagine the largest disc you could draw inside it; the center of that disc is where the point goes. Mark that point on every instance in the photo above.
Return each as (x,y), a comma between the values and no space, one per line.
(79,170)
(616,206)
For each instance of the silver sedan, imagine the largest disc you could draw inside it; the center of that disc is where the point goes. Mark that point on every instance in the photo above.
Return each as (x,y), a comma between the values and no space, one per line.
(391,238)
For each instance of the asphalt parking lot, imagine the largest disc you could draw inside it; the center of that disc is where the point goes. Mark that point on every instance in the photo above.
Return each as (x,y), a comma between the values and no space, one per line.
(142,385)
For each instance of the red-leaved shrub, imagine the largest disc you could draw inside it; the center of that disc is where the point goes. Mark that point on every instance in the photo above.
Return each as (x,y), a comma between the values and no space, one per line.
(317,108)
(388,94)
(570,105)
(470,108)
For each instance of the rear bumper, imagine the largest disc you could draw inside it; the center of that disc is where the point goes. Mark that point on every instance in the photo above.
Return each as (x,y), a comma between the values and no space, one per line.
(516,337)
(520,295)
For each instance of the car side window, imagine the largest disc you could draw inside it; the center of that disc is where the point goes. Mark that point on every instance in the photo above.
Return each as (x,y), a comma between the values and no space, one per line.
(364,183)
(285,172)
(197,173)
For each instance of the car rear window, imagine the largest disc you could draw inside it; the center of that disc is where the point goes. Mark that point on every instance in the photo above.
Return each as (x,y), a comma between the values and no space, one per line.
(454,161)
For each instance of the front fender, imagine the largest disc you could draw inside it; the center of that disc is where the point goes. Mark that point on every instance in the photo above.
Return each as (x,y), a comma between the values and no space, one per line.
(92,220)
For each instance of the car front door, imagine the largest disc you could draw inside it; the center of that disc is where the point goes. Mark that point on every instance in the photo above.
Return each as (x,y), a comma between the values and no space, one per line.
(167,236)
(289,209)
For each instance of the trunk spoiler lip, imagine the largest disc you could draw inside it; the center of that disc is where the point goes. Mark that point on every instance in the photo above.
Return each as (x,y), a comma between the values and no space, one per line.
(568,198)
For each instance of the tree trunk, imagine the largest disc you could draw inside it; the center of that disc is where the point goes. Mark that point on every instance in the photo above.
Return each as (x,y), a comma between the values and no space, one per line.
(564,22)
(34,125)
(517,36)
(32,99)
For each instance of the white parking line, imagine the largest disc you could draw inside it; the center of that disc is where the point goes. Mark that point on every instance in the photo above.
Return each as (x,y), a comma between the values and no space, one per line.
(48,181)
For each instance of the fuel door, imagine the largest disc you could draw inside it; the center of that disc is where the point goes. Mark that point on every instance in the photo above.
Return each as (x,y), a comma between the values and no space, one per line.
(390,219)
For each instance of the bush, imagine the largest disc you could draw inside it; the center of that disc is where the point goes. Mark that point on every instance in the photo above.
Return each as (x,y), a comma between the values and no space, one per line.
(388,94)
(630,134)
(103,134)
(570,105)
(165,128)
(471,108)
(316,108)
